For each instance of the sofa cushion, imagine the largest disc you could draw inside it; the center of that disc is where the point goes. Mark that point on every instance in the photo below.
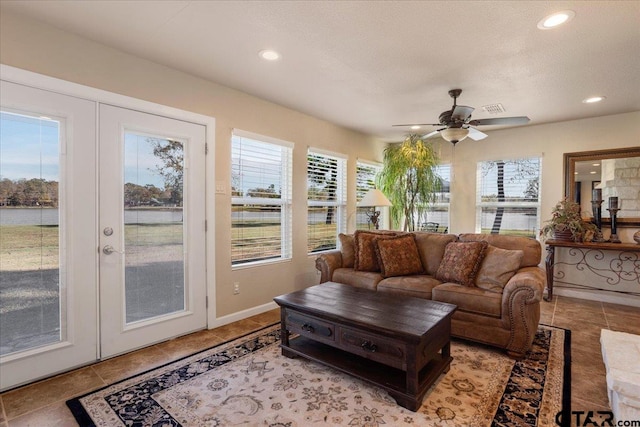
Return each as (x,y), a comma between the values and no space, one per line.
(359,279)
(461,262)
(531,247)
(414,286)
(347,247)
(398,256)
(469,299)
(498,266)
(365,249)
(431,247)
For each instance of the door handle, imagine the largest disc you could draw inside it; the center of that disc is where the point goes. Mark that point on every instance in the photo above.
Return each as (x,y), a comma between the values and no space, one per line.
(108,250)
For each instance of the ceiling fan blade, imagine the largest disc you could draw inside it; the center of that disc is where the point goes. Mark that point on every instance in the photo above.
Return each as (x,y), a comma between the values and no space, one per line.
(429,135)
(461,113)
(519,120)
(476,135)
(420,124)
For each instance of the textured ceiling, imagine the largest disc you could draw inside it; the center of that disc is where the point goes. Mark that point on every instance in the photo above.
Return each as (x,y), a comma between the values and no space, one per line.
(368,65)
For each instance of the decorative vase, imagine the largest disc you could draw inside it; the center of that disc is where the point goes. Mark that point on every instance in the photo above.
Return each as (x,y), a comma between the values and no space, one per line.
(636,237)
(563,236)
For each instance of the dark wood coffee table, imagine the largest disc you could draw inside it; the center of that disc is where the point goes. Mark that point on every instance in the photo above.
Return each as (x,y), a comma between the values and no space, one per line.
(401,344)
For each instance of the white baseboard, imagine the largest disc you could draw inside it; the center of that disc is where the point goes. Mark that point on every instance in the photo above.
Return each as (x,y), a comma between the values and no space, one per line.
(230,318)
(592,295)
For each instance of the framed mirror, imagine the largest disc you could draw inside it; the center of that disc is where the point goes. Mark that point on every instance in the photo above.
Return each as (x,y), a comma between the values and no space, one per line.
(616,172)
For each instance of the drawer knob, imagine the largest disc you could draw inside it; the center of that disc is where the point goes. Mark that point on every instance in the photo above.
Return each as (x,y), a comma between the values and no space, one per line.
(369,346)
(307,327)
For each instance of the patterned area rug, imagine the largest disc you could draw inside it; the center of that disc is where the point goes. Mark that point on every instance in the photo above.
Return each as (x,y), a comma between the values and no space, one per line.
(248,382)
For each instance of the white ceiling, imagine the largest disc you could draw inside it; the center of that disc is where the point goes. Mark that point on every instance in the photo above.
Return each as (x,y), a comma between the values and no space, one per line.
(368,65)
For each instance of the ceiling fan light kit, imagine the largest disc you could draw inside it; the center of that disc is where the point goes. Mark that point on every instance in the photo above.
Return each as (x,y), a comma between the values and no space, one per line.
(454,135)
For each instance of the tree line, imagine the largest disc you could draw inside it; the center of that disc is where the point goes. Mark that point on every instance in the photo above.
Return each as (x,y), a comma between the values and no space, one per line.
(28,192)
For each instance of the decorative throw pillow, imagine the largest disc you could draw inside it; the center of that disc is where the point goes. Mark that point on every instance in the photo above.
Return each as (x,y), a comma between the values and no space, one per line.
(499,265)
(347,247)
(365,249)
(398,256)
(461,262)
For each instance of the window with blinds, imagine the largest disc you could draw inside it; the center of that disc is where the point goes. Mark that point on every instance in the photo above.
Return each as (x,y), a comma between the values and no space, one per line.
(261,175)
(326,199)
(508,197)
(365,180)
(436,216)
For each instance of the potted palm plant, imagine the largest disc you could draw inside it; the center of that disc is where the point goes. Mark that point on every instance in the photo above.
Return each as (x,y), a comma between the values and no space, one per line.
(566,223)
(409,180)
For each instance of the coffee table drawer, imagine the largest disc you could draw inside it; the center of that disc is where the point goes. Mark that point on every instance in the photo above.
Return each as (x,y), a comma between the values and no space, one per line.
(374,347)
(310,326)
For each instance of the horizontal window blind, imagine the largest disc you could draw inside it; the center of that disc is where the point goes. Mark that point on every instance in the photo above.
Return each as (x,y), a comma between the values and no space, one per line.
(261,175)
(436,217)
(326,199)
(366,180)
(507,196)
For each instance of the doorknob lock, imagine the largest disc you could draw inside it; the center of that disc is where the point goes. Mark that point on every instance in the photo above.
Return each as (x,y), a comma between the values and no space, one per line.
(108,250)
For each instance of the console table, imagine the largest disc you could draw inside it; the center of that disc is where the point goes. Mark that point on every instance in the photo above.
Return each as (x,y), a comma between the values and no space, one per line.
(626,267)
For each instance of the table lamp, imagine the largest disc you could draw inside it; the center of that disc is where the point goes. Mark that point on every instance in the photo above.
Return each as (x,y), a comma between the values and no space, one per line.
(373,198)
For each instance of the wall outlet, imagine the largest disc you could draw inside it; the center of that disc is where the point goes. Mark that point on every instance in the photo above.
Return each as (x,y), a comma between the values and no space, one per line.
(236,288)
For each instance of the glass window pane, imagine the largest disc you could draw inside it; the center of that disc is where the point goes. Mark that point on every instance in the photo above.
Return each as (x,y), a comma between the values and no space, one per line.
(517,221)
(153,226)
(255,233)
(30,288)
(261,177)
(326,193)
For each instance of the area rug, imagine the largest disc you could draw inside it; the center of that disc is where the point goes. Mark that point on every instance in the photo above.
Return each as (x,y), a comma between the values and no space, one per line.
(247,382)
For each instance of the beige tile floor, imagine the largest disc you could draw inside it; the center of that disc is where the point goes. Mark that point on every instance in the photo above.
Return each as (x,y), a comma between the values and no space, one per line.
(43,403)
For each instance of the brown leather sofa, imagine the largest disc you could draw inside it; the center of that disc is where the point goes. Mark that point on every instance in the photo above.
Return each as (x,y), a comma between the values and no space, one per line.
(502,311)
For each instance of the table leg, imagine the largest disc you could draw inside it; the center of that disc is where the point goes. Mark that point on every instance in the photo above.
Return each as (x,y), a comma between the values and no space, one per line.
(549,267)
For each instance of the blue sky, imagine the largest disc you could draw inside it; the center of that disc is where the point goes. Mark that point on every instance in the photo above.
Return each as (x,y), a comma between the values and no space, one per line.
(29,148)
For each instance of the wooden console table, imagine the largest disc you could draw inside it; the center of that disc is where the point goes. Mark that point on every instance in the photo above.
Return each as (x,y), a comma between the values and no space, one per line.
(625,268)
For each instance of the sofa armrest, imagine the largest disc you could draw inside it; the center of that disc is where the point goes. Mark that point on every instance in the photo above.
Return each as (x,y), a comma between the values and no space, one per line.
(521,308)
(327,263)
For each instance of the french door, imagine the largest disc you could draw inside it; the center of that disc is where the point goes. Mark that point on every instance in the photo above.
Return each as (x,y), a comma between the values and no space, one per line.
(48,218)
(102,243)
(152,223)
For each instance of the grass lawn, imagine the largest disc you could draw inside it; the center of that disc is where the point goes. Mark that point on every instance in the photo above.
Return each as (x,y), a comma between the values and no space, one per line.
(35,247)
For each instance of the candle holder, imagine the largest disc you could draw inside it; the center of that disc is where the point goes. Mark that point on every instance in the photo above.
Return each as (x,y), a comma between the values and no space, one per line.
(613,212)
(596,206)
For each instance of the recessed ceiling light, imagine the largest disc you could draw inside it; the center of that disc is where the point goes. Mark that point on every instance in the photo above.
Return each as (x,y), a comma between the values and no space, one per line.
(556,19)
(269,55)
(593,172)
(593,99)
(415,127)
(595,164)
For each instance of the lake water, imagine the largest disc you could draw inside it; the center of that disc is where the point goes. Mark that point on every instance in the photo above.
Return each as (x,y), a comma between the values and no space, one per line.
(49,216)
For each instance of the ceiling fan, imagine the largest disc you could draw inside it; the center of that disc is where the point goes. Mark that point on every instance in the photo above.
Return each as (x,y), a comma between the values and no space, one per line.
(458,124)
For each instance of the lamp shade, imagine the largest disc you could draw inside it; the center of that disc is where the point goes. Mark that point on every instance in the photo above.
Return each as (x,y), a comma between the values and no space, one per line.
(454,135)
(374,197)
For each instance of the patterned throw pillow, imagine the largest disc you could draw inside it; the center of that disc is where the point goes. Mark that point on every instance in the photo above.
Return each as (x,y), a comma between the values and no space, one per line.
(499,265)
(461,262)
(347,247)
(399,256)
(365,244)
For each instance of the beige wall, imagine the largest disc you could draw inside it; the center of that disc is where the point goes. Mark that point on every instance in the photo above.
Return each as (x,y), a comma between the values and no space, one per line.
(46,50)
(550,141)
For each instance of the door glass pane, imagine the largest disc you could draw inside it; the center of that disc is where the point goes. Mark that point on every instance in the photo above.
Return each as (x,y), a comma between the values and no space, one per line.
(30,285)
(153,226)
